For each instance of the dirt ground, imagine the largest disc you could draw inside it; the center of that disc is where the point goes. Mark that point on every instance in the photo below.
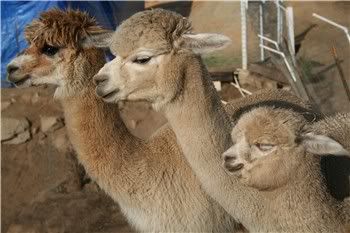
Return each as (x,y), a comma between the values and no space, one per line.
(44,187)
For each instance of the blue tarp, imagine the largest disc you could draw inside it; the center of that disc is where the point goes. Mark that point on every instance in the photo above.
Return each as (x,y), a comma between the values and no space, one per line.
(15,15)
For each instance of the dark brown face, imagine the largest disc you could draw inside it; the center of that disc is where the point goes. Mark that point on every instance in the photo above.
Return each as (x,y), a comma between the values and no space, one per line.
(37,65)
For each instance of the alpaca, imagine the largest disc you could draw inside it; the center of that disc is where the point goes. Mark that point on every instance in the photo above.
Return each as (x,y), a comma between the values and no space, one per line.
(151,181)
(274,152)
(336,127)
(156,60)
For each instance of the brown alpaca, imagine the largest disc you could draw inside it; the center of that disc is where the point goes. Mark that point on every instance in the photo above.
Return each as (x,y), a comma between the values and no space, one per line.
(159,64)
(152,182)
(278,152)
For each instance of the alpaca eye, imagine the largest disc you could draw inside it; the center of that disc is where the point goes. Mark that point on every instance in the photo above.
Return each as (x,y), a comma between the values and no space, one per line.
(264,147)
(49,50)
(142,60)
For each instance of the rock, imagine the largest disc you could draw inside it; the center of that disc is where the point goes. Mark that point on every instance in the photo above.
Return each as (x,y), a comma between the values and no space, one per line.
(20,138)
(30,168)
(35,98)
(74,212)
(15,131)
(91,187)
(60,140)
(26,98)
(50,123)
(5,105)
(217,85)
(42,136)
(34,130)
(68,185)
(132,124)
(17,228)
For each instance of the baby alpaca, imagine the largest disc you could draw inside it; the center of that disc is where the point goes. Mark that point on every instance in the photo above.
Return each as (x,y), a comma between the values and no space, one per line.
(274,151)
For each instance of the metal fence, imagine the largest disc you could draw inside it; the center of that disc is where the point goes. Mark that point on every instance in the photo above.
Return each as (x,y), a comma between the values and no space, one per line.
(324,84)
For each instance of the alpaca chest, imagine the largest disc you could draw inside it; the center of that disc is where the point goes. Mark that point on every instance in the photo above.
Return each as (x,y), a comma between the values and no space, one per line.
(144,220)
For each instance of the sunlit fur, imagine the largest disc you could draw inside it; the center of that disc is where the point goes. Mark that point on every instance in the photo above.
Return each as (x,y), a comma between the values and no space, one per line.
(61,28)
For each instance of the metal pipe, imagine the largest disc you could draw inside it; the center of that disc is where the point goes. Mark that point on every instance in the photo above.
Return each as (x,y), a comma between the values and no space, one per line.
(341,73)
(284,58)
(239,87)
(244,35)
(261,26)
(271,41)
(290,28)
(279,23)
(242,89)
(345,29)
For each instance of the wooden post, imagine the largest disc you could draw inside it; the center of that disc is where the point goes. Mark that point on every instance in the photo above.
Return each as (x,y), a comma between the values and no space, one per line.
(341,73)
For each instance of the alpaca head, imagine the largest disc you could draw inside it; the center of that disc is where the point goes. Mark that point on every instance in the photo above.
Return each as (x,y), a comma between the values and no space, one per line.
(270,145)
(153,50)
(55,55)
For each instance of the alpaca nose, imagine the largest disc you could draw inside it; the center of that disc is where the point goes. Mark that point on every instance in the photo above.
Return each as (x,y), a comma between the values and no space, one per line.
(231,162)
(11,69)
(98,79)
(229,158)
(229,155)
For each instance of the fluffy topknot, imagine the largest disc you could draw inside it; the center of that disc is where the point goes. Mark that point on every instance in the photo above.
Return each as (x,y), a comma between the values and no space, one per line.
(156,28)
(61,28)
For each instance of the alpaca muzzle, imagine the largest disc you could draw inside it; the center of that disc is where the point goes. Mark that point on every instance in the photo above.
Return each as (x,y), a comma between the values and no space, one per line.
(14,76)
(100,79)
(231,164)
(103,90)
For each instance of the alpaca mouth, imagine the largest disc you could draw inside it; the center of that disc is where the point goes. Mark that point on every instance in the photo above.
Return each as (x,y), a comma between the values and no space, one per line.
(234,168)
(106,96)
(19,82)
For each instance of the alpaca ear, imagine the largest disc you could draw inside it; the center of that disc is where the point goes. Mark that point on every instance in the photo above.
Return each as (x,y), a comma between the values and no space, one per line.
(204,42)
(100,39)
(322,145)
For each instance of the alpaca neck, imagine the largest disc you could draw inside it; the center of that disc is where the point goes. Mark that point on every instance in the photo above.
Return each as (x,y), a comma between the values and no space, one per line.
(199,120)
(202,128)
(306,195)
(309,182)
(93,126)
(99,137)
